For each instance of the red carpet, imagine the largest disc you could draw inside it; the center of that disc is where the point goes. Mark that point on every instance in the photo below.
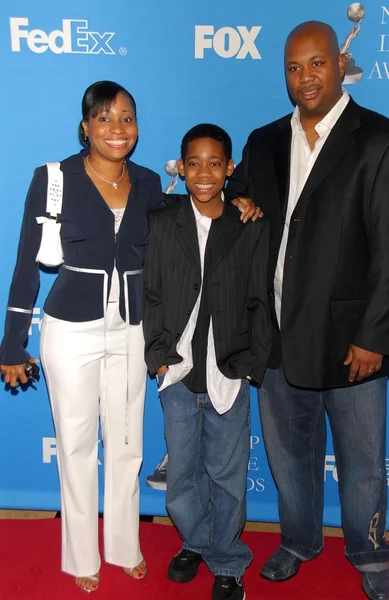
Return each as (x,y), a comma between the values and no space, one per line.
(30,569)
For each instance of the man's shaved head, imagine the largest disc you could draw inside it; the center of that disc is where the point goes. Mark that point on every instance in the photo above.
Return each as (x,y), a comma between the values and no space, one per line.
(312,28)
(314,69)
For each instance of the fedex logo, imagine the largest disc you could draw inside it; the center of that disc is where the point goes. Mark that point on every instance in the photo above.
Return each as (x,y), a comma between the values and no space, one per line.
(227,42)
(74,38)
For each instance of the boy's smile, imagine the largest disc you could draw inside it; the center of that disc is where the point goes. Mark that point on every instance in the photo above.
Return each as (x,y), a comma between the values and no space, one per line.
(205,169)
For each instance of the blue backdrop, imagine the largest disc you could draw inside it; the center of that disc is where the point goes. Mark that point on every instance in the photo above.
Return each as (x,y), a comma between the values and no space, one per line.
(182,62)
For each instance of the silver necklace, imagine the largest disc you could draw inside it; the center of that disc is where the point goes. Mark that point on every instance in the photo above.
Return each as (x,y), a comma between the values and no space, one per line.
(113,183)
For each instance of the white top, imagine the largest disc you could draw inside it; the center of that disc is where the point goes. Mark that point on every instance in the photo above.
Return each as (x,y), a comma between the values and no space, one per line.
(301,164)
(221,390)
(115,289)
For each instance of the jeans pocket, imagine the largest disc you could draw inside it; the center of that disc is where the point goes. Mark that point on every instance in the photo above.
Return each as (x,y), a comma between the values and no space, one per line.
(160,379)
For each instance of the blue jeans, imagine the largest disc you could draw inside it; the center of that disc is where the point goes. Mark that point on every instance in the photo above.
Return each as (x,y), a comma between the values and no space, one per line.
(294,430)
(207,475)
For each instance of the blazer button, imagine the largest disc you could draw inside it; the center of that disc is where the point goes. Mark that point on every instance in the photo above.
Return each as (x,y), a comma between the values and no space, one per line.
(196,287)
(188,313)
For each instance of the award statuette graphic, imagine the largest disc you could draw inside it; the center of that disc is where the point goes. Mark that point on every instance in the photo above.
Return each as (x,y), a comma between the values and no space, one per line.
(355,13)
(171,169)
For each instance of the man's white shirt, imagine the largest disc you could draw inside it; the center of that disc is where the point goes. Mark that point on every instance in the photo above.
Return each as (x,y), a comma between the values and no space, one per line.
(301,164)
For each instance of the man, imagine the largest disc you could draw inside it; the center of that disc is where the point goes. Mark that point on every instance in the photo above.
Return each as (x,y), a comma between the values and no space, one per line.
(321,176)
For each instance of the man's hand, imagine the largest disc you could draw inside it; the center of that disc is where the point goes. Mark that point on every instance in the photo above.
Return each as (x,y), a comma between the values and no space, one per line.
(162,370)
(248,209)
(363,363)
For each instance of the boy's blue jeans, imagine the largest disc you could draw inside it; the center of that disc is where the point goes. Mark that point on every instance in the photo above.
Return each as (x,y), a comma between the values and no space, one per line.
(207,475)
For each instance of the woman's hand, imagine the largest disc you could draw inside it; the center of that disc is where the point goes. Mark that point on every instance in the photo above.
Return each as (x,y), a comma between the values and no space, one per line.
(248,209)
(162,370)
(14,374)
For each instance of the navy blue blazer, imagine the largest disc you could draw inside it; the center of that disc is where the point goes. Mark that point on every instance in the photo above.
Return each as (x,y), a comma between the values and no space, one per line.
(88,242)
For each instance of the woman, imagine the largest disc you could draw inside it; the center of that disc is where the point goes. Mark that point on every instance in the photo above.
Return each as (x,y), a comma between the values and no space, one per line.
(91,348)
(91,337)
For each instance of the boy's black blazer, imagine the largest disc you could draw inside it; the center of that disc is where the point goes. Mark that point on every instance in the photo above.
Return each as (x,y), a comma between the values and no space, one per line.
(238,302)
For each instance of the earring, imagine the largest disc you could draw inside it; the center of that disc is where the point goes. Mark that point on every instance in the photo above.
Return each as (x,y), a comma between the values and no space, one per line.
(86,139)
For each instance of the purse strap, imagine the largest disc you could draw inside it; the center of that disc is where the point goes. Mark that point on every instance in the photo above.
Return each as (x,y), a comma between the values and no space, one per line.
(54,189)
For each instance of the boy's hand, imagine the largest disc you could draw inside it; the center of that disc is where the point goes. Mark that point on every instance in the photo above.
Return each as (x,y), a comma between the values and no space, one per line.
(248,209)
(162,370)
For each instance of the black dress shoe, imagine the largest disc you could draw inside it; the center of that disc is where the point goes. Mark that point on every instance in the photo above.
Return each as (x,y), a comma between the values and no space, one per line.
(376,585)
(228,588)
(281,565)
(184,566)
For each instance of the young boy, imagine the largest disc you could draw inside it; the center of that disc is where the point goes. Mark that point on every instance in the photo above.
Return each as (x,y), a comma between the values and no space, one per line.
(206,332)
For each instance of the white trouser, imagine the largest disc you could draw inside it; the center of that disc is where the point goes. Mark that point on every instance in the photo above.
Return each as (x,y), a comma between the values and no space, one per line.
(83,362)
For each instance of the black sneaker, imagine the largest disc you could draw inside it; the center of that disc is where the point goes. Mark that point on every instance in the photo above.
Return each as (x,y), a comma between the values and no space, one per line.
(228,588)
(157,480)
(184,566)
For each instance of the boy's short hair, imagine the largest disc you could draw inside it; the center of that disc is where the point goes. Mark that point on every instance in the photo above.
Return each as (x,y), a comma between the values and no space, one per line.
(207,130)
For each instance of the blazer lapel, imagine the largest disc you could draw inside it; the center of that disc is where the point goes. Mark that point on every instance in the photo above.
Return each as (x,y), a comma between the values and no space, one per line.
(222,239)
(282,163)
(186,233)
(338,143)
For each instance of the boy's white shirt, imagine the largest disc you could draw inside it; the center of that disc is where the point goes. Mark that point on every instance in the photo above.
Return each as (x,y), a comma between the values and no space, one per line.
(221,390)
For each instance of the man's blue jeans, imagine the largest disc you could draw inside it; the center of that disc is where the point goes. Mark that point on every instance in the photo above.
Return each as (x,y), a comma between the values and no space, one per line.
(207,475)
(294,430)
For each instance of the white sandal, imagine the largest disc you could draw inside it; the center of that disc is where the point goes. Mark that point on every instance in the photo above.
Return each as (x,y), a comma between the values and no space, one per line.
(142,572)
(91,578)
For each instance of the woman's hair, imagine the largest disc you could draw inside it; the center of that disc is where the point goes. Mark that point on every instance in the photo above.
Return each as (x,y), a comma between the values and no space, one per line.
(98,96)
(207,130)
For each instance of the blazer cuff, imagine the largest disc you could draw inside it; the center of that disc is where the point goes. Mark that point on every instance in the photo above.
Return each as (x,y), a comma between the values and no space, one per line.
(155,359)
(13,356)
(230,195)
(369,342)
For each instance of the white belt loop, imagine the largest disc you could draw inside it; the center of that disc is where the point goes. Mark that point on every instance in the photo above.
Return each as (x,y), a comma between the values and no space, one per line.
(103,393)
(126,300)
(127,315)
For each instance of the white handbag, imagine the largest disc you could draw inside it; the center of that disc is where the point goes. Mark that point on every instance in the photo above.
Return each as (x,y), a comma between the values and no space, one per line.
(50,251)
